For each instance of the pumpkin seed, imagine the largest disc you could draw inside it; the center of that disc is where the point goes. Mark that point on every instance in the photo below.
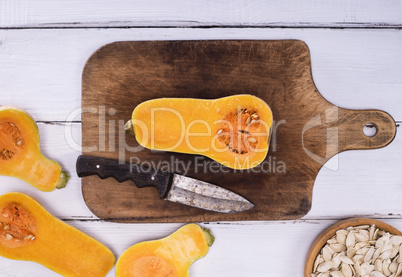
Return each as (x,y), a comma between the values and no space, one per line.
(336,274)
(366,269)
(346,260)
(350,252)
(337,247)
(332,241)
(363,235)
(336,261)
(363,251)
(327,253)
(255,116)
(346,270)
(341,238)
(386,255)
(361,244)
(399,270)
(324,267)
(350,240)
(378,265)
(376,274)
(317,261)
(385,267)
(369,254)
(393,267)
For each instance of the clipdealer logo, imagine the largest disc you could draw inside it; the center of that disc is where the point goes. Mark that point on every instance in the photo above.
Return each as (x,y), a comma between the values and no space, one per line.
(202,165)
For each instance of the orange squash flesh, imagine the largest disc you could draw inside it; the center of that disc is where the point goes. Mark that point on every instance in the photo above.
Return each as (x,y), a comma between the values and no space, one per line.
(171,256)
(20,154)
(234,131)
(28,232)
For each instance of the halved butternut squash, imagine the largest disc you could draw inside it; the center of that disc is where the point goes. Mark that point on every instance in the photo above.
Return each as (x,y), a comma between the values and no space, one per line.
(171,256)
(28,232)
(234,130)
(20,154)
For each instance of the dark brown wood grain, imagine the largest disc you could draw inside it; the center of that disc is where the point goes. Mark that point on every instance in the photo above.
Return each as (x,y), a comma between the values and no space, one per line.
(309,130)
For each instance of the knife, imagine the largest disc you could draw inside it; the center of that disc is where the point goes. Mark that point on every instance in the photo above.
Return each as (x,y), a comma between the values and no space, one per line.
(172,187)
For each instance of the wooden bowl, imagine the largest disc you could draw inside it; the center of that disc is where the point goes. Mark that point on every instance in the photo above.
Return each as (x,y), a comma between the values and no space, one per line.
(321,240)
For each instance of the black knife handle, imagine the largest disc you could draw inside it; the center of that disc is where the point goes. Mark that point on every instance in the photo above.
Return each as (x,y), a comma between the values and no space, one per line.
(142,177)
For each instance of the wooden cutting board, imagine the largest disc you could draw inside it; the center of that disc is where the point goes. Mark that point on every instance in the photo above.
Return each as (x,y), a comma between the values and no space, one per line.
(308,130)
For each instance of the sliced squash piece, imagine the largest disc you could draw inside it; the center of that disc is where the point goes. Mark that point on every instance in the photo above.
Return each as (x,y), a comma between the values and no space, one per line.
(20,154)
(234,131)
(28,232)
(171,256)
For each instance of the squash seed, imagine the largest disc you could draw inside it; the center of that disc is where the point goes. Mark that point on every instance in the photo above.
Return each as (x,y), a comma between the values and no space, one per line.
(346,270)
(350,240)
(362,227)
(336,274)
(255,116)
(396,240)
(399,270)
(385,267)
(378,265)
(393,267)
(324,267)
(317,261)
(346,260)
(376,274)
(332,241)
(327,253)
(252,140)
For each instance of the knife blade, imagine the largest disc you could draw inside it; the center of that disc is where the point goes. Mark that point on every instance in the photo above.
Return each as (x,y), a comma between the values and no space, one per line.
(172,187)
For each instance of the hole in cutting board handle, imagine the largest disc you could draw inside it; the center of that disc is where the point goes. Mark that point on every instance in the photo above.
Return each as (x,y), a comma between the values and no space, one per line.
(370,130)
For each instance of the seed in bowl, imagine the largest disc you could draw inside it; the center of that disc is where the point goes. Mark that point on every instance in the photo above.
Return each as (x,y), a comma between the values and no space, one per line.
(360,251)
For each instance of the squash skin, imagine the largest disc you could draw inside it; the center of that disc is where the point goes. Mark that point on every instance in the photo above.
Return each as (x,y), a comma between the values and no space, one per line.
(27,163)
(170,256)
(56,245)
(172,124)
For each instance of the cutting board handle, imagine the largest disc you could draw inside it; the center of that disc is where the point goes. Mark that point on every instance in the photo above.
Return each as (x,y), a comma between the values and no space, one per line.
(352,122)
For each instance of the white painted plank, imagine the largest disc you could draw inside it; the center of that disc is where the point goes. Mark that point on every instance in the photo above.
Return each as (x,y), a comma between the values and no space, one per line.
(367,182)
(340,13)
(41,69)
(276,248)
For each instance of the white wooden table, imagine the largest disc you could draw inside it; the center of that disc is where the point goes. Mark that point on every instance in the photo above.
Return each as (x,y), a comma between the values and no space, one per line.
(356,51)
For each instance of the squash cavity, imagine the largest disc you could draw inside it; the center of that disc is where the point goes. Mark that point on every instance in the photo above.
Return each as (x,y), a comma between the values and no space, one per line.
(28,232)
(17,226)
(20,154)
